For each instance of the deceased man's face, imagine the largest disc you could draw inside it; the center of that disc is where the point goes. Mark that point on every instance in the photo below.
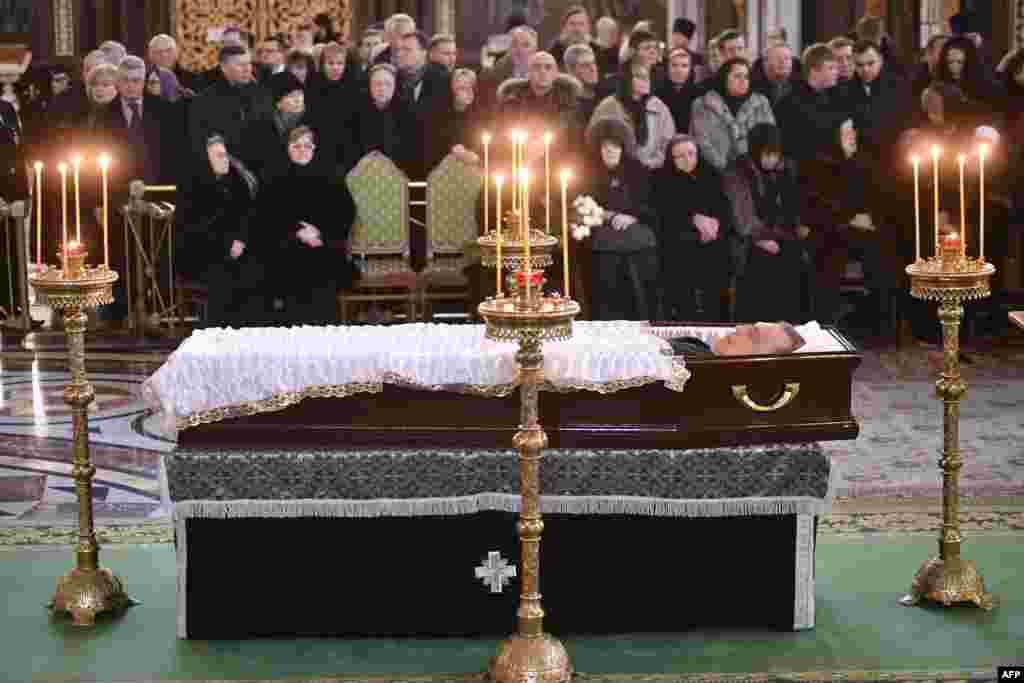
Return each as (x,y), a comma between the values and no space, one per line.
(759,339)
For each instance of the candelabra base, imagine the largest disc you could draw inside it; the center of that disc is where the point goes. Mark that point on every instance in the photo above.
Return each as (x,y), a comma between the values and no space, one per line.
(949,582)
(84,593)
(531,659)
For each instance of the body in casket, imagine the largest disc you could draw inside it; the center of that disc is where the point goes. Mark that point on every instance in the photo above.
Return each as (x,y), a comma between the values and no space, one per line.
(728,401)
(369,514)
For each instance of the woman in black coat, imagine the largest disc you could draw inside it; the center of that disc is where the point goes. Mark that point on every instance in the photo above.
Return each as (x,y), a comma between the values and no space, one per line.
(306,216)
(455,124)
(215,242)
(382,121)
(266,138)
(624,248)
(696,234)
(331,98)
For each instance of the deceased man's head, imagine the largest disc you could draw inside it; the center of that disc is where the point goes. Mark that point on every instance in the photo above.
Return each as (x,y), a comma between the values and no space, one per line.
(759,339)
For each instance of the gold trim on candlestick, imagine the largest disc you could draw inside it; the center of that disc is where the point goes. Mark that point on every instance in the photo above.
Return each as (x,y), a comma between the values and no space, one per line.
(87,590)
(948,579)
(530,319)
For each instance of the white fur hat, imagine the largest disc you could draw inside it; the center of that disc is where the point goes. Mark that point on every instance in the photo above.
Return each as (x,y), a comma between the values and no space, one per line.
(14,60)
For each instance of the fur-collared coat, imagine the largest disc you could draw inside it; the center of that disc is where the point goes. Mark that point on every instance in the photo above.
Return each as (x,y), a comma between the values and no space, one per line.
(554,112)
(660,125)
(722,136)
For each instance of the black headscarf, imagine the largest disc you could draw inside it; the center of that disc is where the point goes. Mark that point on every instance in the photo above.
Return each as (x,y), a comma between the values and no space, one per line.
(722,85)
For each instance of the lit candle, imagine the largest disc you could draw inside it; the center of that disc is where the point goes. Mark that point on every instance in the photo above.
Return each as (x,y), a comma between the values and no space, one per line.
(935,166)
(916,161)
(487,174)
(77,163)
(982,153)
(497,182)
(104,165)
(526,228)
(63,168)
(565,175)
(961,160)
(39,213)
(547,183)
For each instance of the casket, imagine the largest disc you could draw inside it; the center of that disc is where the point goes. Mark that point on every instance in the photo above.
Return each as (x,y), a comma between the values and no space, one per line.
(728,401)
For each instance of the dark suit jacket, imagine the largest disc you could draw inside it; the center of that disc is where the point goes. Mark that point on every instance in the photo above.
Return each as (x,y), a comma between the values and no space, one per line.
(138,155)
(13,183)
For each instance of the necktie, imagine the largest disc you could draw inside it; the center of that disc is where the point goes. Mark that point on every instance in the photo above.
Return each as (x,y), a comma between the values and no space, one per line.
(136,121)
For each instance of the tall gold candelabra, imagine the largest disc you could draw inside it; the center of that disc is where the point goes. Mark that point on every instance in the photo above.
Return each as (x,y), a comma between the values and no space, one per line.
(950,280)
(87,590)
(529,318)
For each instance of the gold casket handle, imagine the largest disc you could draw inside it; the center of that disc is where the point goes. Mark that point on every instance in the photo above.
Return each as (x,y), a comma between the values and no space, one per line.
(788,394)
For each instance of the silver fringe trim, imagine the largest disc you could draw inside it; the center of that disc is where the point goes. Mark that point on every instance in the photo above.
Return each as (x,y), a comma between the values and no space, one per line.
(803,603)
(181,551)
(500,502)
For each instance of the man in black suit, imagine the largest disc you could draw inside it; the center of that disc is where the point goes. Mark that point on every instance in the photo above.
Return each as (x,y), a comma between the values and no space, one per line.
(132,123)
(12,173)
(420,83)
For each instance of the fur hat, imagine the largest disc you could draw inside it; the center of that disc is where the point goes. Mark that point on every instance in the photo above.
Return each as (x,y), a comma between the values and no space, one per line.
(14,60)
(684,26)
(614,129)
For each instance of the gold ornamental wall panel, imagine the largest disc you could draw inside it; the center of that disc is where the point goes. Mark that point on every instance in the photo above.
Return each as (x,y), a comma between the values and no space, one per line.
(194,19)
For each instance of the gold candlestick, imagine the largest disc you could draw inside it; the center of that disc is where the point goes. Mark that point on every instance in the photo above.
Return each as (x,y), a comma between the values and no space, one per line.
(487,174)
(87,590)
(947,578)
(104,166)
(39,214)
(565,231)
(77,165)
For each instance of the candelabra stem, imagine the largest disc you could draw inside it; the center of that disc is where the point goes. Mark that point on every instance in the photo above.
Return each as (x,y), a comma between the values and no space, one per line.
(948,579)
(87,590)
(530,654)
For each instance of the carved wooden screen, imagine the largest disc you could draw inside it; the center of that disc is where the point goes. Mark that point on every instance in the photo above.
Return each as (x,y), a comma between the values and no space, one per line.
(194,18)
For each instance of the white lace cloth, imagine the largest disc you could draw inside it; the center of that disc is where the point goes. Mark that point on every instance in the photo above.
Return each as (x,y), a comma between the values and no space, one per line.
(220,368)
(816,339)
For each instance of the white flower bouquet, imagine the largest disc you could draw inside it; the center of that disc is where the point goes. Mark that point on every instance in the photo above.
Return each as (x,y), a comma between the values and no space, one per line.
(588,215)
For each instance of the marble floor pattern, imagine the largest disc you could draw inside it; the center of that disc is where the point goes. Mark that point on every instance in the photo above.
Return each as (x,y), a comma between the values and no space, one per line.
(896,455)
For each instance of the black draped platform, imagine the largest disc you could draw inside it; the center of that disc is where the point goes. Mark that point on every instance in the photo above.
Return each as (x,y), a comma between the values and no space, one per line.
(322,542)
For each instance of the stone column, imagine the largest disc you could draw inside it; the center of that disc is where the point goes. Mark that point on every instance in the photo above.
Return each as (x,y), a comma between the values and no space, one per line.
(444,16)
(63,28)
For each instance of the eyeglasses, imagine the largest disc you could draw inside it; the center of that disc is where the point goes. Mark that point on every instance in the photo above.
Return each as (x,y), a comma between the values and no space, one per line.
(308,146)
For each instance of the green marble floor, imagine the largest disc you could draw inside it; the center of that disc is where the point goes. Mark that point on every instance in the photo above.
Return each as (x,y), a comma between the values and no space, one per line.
(860,627)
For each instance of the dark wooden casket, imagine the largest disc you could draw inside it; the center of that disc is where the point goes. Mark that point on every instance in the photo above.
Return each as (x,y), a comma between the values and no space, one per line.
(730,401)
(742,514)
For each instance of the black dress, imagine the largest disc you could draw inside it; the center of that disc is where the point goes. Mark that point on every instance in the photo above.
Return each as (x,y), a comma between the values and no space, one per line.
(213,213)
(689,266)
(306,278)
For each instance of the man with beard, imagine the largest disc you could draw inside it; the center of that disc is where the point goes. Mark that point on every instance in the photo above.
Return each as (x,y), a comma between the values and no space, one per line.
(228,106)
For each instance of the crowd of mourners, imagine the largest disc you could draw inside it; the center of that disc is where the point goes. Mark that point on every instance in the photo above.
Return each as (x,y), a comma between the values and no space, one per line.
(733,188)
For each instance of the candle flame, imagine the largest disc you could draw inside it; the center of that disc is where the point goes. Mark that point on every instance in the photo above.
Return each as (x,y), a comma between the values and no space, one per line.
(77,160)
(983,150)
(104,162)
(525,173)
(499,179)
(62,167)
(547,138)
(915,160)
(565,175)
(936,151)
(486,138)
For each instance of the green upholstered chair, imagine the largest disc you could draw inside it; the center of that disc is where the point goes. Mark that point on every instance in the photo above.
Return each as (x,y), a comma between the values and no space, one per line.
(380,235)
(453,189)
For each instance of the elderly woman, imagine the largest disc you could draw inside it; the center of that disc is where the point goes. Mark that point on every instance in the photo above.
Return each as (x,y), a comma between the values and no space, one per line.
(383,122)
(455,124)
(101,87)
(624,248)
(214,241)
(306,220)
(724,116)
(773,256)
(647,117)
(697,234)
